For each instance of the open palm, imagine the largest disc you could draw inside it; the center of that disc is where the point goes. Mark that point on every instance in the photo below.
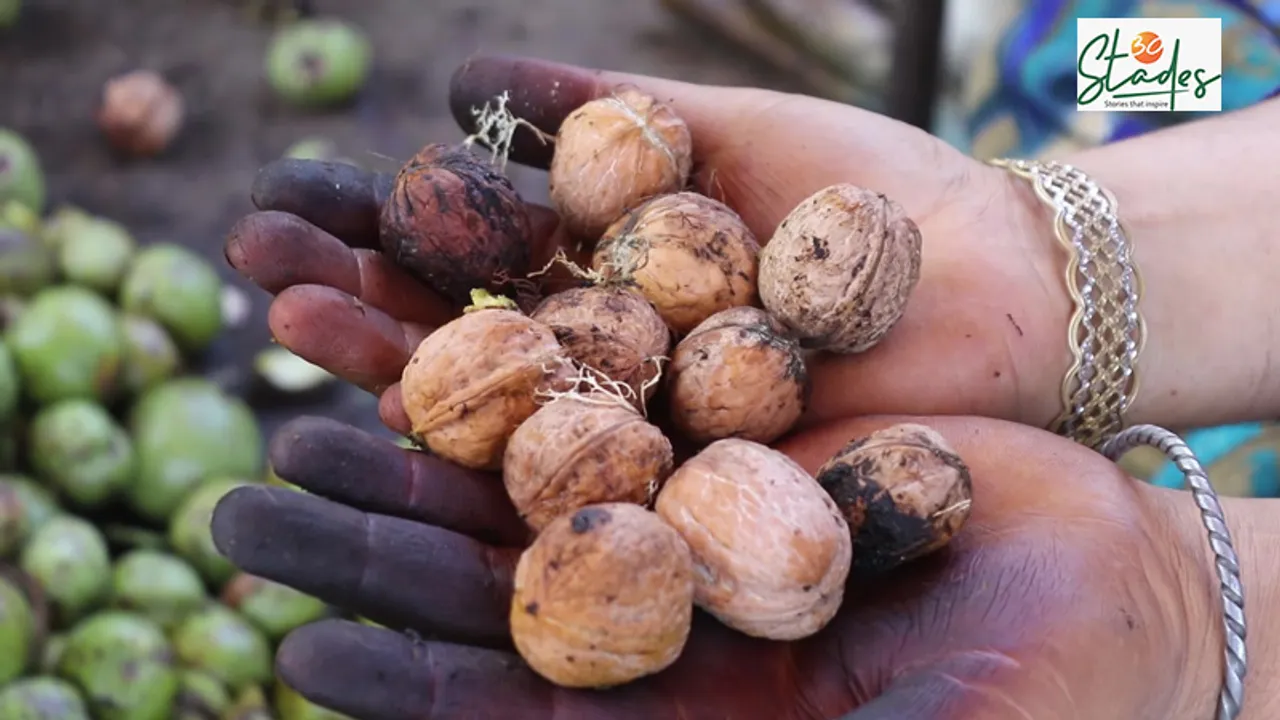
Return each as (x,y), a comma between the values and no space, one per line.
(1004,623)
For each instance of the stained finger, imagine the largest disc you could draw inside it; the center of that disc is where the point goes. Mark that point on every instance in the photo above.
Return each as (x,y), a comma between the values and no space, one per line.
(391,410)
(759,151)
(341,199)
(343,335)
(394,571)
(277,250)
(378,674)
(356,468)
(544,93)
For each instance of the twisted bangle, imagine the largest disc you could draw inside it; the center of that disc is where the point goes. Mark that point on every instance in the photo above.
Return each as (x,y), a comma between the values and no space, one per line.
(1106,333)
(1230,589)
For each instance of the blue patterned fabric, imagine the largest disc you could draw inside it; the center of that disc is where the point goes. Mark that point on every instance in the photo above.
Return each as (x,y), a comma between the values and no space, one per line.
(1022,103)
(1025,103)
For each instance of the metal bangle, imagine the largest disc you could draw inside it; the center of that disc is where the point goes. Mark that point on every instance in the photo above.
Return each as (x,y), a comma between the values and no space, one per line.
(1227,563)
(1106,333)
(1106,336)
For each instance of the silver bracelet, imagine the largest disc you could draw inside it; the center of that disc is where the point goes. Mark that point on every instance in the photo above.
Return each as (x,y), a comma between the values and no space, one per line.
(1106,333)
(1228,565)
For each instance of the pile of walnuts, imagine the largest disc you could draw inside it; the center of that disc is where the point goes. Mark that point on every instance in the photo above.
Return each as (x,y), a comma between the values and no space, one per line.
(631,414)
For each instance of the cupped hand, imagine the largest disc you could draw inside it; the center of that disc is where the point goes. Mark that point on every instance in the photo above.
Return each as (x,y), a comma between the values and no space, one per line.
(983,333)
(1064,597)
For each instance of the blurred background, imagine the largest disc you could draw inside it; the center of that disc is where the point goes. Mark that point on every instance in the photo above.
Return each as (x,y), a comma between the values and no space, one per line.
(130,132)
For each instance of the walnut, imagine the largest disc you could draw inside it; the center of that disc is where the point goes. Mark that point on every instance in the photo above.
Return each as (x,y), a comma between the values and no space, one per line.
(602,597)
(840,268)
(904,492)
(771,550)
(737,375)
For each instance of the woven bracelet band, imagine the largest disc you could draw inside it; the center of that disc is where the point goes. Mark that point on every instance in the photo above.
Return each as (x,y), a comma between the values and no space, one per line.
(1106,335)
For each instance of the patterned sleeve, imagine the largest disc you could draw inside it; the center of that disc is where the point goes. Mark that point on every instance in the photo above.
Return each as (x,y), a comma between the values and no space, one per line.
(1023,102)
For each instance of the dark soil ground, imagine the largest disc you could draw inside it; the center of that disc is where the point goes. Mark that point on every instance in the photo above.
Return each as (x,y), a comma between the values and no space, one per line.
(54,62)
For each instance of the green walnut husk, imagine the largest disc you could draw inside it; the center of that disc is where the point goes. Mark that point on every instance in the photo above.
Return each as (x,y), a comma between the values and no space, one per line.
(185,431)
(274,608)
(221,642)
(317,149)
(97,255)
(78,448)
(64,222)
(26,265)
(150,355)
(123,664)
(17,631)
(290,705)
(68,557)
(67,344)
(38,504)
(201,696)
(158,585)
(9,12)
(179,289)
(15,520)
(250,704)
(21,175)
(42,697)
(190,533)
(318,62)
(16,215)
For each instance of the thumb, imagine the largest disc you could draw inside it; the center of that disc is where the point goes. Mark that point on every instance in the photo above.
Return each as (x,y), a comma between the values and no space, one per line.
(759,151)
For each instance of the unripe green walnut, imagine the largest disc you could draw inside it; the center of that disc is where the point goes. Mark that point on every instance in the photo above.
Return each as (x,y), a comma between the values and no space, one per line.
(124,665)
(318,61)
(69,558)
(17,631)
(222,643)
(66,344)
(185,431)
(150,355)
(9,11)
(26,265)
(97,255)
(78,448)
(42,697)
(21,175)
(158,585)
(178,288)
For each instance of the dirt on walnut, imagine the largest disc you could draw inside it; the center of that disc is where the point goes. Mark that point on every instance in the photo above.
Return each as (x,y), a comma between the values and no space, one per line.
(737,375)
(904,492)
(56,59)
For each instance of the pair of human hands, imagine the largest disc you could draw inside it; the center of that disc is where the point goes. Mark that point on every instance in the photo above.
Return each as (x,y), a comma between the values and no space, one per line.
(1062,598)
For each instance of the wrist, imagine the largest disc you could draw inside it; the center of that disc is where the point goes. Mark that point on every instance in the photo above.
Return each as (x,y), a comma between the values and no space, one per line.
(1196,201)
(1252,527)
